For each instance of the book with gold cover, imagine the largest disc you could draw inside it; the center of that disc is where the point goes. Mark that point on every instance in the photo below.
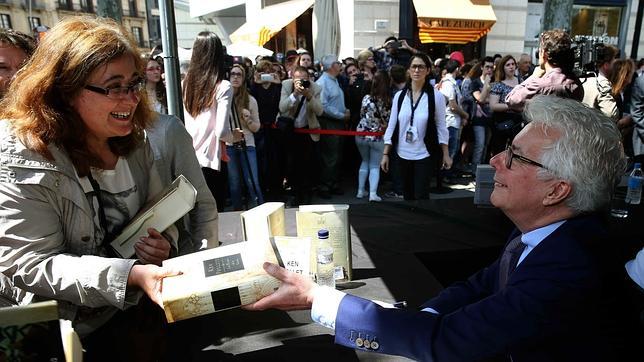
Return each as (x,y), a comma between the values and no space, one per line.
(218,279)
(263,221)
(335,218)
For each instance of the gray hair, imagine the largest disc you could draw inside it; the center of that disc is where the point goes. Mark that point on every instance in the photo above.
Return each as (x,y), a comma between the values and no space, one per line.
(588,154)
(328,60)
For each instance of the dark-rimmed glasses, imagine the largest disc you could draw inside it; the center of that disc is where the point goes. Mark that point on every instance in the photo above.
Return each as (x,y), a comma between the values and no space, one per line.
(418,67)
(236,74)
(510,155)
(119,92)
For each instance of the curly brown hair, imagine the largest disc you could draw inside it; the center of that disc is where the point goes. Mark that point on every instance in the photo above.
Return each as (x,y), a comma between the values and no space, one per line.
(557,44)
(38,104)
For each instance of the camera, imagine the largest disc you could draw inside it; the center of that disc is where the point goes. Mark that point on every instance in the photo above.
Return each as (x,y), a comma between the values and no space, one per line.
(265,77)
(586,51)
(306,83)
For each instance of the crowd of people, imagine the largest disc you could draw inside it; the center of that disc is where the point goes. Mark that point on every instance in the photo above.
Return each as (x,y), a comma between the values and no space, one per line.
(85,143)
(478,115)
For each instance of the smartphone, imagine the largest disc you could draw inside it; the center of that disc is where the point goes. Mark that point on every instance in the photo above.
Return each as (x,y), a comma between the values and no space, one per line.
(266,77)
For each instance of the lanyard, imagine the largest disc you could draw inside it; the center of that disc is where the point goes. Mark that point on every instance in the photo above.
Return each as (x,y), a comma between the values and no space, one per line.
(101,211)
(413,106)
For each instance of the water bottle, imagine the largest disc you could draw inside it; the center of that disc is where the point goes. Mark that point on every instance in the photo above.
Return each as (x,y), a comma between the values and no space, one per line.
(325,265)
(634,193)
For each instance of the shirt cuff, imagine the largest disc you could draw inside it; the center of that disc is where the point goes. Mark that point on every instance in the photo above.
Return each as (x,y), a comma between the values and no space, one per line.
(292,98)
(326,302)
(429,310)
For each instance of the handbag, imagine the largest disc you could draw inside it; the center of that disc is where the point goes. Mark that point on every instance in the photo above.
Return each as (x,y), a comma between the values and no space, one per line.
(287,124)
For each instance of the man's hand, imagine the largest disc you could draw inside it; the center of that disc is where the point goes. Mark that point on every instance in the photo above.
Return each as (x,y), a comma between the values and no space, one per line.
(538,72)
(149,278)
(295,293)
(447,161)
(347,115)
(152,249)
(297,87)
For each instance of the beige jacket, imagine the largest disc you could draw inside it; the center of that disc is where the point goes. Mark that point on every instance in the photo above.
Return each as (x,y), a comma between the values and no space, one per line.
(597,94)
(313,107)
(48,246)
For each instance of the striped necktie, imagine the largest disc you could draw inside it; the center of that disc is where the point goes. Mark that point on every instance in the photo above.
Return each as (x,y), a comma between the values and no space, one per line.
(509,260)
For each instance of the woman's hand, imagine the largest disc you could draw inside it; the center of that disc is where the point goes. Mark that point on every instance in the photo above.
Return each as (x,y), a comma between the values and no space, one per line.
(246,115)
(149,278)
(384,163)
(447,161)
(238,135)
(152,249)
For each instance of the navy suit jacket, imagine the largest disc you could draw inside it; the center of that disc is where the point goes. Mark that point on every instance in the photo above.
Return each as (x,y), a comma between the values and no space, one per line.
(551,309)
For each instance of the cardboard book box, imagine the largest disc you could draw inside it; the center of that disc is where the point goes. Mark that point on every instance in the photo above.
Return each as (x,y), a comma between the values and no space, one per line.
(218,279)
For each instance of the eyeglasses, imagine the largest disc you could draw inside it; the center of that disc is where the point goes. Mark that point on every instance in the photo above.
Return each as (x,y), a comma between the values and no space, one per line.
(119,92)
(235,74)
(152,69)
(509,156)
(417,67)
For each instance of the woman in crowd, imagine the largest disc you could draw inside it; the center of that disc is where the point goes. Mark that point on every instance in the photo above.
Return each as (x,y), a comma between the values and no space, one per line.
(206,101)
(481,76)
(374,116)
(267,88)
(367,64)
(413,134)
(507,123)
(620,78)
(154,86)
(243,115)
(76,169)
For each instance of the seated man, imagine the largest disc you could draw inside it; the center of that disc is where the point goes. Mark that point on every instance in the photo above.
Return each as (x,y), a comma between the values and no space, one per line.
(543,299)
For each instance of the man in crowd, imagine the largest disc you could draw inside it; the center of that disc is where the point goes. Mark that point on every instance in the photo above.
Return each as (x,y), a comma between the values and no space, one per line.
(597,90)
(300,100)
(553,75)
(546,297)
(393,51)
(525,67)
(15,49)
(334,117)
(455,116)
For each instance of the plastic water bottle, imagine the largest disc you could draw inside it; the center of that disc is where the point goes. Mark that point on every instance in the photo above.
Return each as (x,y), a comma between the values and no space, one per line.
(325,266)
(634,193)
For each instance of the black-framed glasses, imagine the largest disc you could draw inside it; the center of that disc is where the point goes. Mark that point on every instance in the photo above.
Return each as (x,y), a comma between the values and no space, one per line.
(119,92)
(418,67)
(510,155)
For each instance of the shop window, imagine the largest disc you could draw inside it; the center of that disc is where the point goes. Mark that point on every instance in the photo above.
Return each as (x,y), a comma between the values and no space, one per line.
(596,21)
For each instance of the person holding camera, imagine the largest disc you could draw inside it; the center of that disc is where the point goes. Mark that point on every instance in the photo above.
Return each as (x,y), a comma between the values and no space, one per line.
(597,90)
(300,101)
(357,87)
(393,51)
(553,75)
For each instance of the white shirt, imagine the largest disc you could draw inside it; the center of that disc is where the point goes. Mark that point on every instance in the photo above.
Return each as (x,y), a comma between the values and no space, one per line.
(300,121)
(326,301)
(451,91)
(416,150)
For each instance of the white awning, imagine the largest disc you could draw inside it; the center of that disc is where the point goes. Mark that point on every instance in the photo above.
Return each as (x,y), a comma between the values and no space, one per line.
(273,19)
(204,7)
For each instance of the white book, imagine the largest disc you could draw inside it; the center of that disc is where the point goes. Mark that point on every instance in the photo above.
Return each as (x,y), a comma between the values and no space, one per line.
(335,218)
(294,253)
(263,221)
(165,209)
(218,279)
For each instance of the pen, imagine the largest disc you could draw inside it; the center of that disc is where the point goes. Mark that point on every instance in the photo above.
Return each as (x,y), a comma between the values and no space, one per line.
(401,304)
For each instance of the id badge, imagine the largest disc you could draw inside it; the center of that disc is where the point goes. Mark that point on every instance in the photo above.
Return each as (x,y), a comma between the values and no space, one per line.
(410,134)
